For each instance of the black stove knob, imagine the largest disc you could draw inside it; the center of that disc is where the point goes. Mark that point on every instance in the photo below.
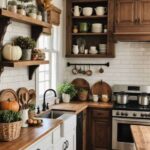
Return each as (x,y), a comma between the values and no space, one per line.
(117,113)
(148,115)
(142,115)
(122,114)
(134,115)
(126,114)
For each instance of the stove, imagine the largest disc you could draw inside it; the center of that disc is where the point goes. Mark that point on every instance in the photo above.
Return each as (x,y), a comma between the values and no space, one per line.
(124,115)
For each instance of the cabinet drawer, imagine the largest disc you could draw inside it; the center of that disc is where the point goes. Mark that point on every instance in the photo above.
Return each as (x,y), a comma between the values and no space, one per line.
(101,114)
(56,135)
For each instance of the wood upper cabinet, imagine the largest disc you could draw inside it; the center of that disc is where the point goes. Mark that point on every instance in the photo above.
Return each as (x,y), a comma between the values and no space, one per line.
(99,135)
(125,12)
(144,12)
(132,20)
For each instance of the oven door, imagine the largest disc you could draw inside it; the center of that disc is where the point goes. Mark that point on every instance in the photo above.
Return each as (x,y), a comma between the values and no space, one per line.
(121,133)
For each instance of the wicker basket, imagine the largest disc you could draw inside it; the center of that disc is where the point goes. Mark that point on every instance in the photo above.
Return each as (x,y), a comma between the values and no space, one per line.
(10,131)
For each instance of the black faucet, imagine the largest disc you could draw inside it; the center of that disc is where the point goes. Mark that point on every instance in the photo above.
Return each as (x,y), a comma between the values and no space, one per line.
(44,102)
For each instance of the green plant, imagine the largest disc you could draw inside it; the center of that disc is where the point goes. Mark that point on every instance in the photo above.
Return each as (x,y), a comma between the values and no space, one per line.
(7,116)
(25,1)
(31,8)
(67,88)
(82,90)
(25,42)
(20,6)
(31,107)
(13,3)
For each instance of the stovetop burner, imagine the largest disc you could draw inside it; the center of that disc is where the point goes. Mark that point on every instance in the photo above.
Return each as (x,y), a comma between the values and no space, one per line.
(131,105)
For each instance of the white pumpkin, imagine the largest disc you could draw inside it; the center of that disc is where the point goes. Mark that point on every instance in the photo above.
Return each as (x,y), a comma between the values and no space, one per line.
(11,52)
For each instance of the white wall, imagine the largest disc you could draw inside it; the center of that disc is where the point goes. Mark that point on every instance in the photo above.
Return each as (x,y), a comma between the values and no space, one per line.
(130,66)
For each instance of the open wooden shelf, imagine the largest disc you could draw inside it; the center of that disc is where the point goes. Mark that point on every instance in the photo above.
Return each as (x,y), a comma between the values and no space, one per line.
(88,1)
(84,34)
(23,19)
(89,17)
(89,56)
(31,64)
(24,63)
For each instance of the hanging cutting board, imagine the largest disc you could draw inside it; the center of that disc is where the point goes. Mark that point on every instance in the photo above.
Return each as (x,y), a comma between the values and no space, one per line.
(32,96)
(8,94)
(100,88)
(81,83)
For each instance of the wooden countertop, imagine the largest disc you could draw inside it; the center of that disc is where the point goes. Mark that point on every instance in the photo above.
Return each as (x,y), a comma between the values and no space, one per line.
(30,135)
(141,135)
(77,107)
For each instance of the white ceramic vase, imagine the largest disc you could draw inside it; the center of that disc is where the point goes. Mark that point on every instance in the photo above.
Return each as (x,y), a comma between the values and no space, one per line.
(25,117)
(66,98)
(12,8)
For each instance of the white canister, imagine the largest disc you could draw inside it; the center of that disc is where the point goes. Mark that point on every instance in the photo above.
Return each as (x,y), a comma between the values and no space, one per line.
(75,49)
(21,12)
(32,15)
(96,27)
(25,117)
(39,17)
(12,8)
(100,11)
(95,98)
(102,48)
(76,10)
(87,11)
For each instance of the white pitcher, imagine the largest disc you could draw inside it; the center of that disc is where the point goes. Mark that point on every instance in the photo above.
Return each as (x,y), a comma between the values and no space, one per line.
(76,10)
(75,49)
(25,117)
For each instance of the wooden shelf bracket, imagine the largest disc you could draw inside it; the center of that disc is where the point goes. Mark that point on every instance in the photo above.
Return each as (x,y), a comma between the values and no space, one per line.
(31,70)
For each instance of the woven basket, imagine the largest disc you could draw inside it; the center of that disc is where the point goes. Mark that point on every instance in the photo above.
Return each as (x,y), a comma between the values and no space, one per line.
(10,131)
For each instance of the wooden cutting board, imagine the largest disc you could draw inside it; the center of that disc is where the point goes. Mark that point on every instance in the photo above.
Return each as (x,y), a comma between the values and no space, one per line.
(100,88)
(8,94)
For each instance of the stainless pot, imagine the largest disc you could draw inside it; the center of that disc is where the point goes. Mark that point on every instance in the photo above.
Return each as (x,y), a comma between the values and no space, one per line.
(143,99)
(121,98)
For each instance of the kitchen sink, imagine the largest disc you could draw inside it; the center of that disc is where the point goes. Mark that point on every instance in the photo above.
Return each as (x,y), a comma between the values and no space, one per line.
(51,114)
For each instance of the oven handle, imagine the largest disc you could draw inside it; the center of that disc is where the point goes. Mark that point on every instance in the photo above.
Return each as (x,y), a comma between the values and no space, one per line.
(130,121)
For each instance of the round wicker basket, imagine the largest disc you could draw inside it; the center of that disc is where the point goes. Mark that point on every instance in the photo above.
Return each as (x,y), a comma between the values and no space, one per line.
(10,131)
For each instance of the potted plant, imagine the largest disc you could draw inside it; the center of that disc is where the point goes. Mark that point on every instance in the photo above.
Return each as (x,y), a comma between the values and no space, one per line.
(31,110)
(12,6)
(10,125)
(68,91)
(83,94)
(26,44)
(21,10)
(32,11)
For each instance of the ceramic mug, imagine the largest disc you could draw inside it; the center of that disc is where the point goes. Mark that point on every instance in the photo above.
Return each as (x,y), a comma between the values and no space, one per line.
(95,98)
(93,50)
(84,27)
(96,27)
(100,11)
(76,10)
(87,11)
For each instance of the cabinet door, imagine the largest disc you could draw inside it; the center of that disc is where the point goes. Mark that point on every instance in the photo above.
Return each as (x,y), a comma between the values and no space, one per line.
(125,12)
(100,135)
(144,12)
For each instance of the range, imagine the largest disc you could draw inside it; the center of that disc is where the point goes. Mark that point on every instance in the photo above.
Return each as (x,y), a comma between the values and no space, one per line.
(131,106)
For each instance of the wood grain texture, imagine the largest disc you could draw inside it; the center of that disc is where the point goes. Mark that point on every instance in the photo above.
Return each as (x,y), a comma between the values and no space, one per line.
(141,135)
(30,135)
(77,107)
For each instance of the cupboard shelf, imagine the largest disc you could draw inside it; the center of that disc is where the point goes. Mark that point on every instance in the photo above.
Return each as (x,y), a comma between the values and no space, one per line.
(31,64)
(89,56)
(85,34)
(89,17)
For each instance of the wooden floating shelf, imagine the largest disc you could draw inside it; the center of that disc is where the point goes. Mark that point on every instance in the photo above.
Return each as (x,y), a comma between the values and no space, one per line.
(23,63)
(31,64)
(84,34)
(89,56)
(88,1)
(89,17)
(23,19)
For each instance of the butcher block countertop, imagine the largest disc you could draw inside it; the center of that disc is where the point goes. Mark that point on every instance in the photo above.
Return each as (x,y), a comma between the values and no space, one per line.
(30,135)
(77,107)
(141,135)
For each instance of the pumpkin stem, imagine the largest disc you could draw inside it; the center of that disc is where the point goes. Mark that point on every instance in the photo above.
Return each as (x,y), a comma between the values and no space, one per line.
(9,100)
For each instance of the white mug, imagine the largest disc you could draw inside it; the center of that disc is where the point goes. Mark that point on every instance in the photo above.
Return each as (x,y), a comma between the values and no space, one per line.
(100,10)
(93,48)
(96,27)
(87,11)
(75,49)
(95,98)
(76,10)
